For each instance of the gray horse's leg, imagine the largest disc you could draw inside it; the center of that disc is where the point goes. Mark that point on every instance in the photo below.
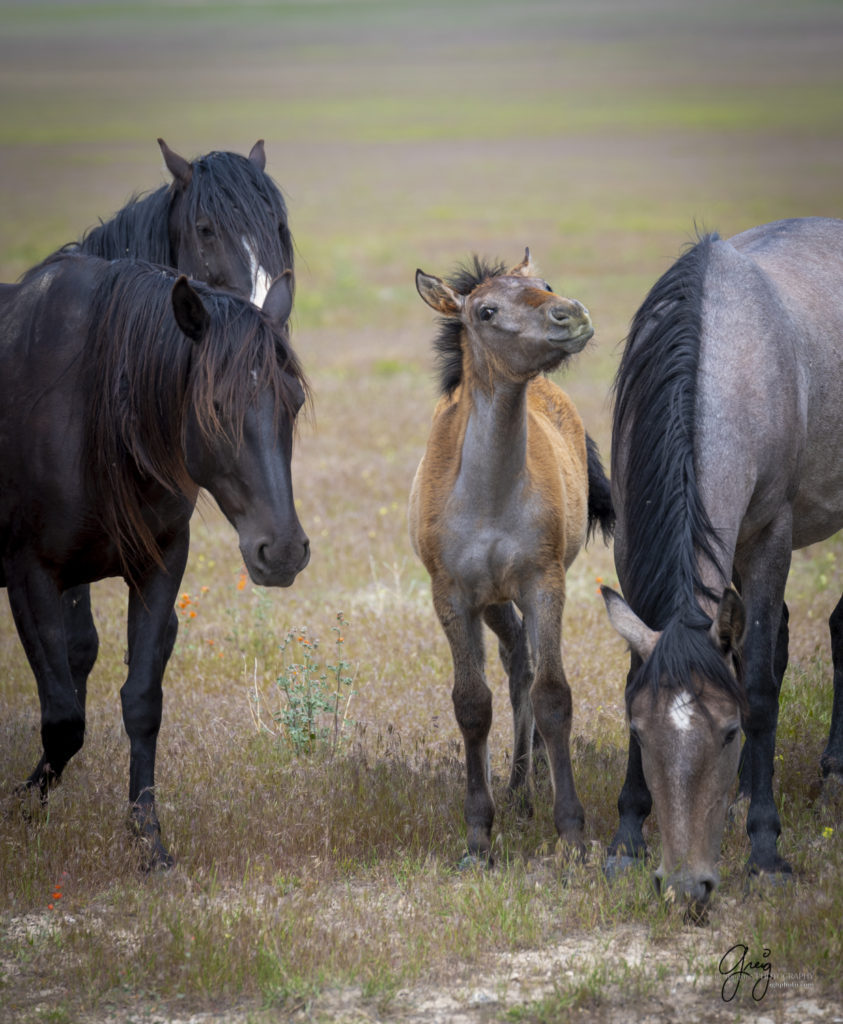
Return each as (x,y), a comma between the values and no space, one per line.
(831,761)
(634,804)
(764,580)
(779,667)
(473,710)
(553,710)
(515,655)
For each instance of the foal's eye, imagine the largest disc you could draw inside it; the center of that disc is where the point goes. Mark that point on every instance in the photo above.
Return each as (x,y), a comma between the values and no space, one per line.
(487,312)
(547,287)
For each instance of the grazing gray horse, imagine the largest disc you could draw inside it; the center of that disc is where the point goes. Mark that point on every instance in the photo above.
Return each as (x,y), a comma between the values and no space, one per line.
(726,456)
(501,503)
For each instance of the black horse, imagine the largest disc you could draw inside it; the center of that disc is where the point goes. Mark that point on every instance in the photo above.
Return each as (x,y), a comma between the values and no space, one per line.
(123,390)
(221,220)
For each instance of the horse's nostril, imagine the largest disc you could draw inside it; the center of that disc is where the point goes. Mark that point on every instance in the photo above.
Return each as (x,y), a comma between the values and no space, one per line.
(560,314)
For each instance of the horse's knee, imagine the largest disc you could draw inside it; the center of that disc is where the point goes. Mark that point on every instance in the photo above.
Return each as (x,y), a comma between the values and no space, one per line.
(473,712)
(61,739)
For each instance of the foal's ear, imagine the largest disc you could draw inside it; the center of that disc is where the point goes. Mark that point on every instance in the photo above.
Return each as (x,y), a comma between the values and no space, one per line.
(258,156)
(637,634)
(176,165)
(278,303)
(439,295)
(524,268)
(189,310)
(729,623)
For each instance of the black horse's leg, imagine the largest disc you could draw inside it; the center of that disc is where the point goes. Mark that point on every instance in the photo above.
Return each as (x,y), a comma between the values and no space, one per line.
(152,630)
(831,761)
(36,607)
(634,805)
(81,634)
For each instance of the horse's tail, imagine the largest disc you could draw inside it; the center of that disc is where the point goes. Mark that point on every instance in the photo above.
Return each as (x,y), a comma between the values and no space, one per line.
(666,525)
(601,511)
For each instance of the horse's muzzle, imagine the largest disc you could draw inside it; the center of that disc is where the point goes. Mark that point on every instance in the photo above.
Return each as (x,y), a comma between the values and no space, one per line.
(276,564)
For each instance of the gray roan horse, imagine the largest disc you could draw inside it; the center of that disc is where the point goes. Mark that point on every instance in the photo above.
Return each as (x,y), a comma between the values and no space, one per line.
(123,390)
(726,455)
(502,501)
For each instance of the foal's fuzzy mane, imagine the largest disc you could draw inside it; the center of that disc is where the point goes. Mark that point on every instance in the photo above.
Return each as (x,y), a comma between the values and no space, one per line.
(667,526)
(448,343)
(145,377)
(231,190)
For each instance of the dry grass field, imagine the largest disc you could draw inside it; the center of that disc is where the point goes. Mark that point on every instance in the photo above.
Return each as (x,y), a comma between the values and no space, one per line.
(321,884)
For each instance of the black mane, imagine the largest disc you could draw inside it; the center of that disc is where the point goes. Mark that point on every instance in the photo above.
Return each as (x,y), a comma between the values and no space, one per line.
(448,343)
(146,375)
(228,188)
(667,526)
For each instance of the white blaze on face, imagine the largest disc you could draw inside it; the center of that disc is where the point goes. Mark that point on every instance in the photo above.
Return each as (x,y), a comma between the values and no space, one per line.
(680,712)
(260,278)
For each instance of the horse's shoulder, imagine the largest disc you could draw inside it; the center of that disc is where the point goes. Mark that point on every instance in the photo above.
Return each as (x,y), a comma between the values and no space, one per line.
(548,399)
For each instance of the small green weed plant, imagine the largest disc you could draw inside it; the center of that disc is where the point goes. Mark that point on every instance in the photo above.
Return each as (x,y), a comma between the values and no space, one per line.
(313,700)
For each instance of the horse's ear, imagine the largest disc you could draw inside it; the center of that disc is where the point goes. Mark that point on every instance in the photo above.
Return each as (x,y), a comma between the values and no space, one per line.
(176,165)
(637,634)
(257,155)
(729,623)
(189,310)
(439,295)
(524,268)
(278,303)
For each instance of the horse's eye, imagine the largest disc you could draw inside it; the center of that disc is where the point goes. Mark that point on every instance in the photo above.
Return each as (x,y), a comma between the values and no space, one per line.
(730,735)
(547,287)
(487,312)
(204,229)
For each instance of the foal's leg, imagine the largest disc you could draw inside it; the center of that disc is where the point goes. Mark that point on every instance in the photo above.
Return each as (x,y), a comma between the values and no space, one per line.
(36,606)
(515,655)
(152,626)
(552,707)
(473,709)
(831,761)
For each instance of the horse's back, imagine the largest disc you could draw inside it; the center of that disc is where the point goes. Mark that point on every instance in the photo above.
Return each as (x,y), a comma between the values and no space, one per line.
(770,404)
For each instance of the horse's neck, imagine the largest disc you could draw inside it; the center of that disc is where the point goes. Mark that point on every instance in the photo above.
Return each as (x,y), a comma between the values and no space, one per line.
(494,448)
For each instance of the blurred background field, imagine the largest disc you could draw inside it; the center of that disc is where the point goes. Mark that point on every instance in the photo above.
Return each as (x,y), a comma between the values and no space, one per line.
(599,133)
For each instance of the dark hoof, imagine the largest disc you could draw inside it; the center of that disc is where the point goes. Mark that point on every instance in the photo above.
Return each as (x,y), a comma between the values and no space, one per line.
(617,864)
(763,880)
(476,861)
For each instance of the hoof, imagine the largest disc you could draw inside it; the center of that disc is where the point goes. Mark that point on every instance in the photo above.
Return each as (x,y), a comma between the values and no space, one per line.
(762,880)
(617,864)
(476,861)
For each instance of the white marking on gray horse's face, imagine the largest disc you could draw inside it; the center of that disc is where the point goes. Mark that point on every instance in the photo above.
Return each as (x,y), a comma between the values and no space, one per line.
(681,712)
(260,278)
